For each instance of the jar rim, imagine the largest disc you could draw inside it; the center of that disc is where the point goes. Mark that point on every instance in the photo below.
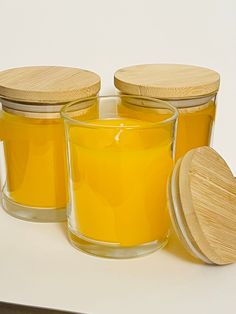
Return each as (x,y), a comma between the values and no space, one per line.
(65,115)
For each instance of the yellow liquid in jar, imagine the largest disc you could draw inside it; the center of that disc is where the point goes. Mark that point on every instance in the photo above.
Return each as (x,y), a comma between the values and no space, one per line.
(35,160)
(194,127)
(118,181)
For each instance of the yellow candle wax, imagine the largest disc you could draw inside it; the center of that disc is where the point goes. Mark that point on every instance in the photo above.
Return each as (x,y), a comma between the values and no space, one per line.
(35,161)
(118,180)
(194,124)
(194,127)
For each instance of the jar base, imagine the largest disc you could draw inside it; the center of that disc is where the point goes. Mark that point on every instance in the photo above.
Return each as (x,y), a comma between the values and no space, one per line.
(34,214)
(110,250)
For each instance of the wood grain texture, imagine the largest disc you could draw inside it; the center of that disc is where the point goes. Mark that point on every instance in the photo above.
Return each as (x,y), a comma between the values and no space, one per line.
(167,81)
(208,198)
(48,84)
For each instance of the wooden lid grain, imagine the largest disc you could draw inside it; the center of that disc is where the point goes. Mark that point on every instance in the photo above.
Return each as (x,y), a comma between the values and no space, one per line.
(207,196)
(167,81)
(48,84)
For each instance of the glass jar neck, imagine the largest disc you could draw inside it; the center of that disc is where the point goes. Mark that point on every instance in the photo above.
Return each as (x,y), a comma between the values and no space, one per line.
(186,103)
(32,110)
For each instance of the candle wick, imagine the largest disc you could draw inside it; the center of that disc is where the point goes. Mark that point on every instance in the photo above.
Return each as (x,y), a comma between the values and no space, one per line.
(117,137)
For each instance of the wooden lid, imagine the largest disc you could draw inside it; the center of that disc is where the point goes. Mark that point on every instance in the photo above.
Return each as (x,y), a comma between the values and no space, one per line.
(207,203)
(48,84)
(167,81)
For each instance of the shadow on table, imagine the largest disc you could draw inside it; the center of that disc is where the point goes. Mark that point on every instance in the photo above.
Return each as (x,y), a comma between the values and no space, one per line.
(176,248)
(11,308)
(63,228)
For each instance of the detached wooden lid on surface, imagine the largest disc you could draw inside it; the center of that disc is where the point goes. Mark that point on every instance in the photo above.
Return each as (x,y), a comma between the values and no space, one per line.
(167,81)
(202,197)
(47,84)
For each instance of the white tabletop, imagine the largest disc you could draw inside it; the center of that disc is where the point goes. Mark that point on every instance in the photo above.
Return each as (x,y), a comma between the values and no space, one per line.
(39,267)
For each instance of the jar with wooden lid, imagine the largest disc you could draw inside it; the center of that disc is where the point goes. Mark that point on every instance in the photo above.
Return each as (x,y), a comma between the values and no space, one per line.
(191,89)
(33,168)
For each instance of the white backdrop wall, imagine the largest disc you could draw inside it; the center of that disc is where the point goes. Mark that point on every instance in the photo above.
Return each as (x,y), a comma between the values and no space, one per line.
(105,35)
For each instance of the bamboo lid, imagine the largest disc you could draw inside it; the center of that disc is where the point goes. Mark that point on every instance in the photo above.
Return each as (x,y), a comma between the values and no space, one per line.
(47,84)
(167,81)
(202,196)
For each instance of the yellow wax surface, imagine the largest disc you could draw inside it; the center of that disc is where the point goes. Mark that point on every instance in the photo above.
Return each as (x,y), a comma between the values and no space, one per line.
(118,180)
(194,127)
(35,160)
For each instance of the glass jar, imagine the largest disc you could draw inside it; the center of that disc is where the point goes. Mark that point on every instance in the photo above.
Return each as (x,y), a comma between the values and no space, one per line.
(191,89)
(33,167)
(119,161)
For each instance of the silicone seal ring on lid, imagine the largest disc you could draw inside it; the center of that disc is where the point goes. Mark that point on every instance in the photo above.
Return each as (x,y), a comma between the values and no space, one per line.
(177,218)
(43,111)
